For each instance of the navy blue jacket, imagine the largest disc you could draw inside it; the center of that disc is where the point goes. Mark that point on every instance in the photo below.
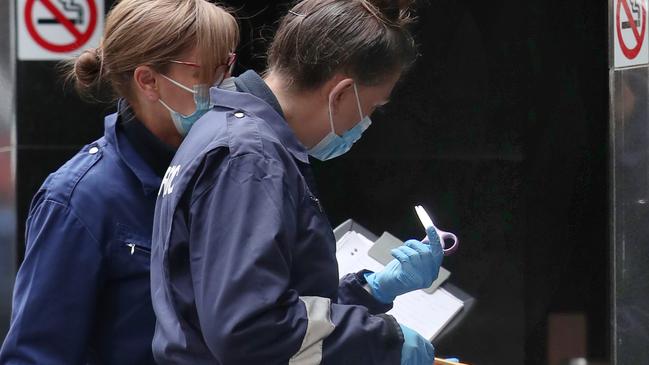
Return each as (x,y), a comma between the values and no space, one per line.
(243,264)
(82,294)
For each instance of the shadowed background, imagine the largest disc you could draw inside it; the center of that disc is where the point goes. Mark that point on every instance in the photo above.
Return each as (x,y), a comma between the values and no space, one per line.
(500,130)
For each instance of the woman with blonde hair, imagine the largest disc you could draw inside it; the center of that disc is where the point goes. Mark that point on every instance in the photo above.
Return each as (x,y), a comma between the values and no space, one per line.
(82,294)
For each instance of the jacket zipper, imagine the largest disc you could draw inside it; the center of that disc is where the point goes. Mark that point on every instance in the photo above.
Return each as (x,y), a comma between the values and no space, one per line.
(317,202)
(134,247)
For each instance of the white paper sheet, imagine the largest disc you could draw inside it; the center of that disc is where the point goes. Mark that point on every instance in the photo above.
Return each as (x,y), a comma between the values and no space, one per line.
(426,313)
(351,253)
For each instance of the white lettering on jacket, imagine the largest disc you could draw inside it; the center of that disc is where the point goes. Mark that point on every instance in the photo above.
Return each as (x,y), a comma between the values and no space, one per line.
(167,186)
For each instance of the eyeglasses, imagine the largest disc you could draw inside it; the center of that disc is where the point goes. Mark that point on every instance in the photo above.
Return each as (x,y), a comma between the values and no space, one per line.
(232,58)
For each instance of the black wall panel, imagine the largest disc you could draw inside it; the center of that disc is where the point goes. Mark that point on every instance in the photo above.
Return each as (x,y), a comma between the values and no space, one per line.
(500,130)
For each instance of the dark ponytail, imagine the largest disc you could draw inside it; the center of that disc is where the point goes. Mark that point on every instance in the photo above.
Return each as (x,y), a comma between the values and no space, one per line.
(394,12)
(368,40)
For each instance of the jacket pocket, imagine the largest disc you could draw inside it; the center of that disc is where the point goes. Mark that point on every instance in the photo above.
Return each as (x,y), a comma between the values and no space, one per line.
(130,253)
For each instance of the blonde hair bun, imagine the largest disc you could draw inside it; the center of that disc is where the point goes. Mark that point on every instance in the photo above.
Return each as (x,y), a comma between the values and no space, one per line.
(87,68)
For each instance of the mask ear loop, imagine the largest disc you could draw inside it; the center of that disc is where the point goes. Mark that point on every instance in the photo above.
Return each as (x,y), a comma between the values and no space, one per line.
(358,102)
(179,84)
(166,106)
(176,123)
(331,117)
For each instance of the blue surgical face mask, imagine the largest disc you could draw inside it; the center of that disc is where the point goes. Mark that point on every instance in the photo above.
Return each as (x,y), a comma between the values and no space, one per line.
(182,122)
(333,145)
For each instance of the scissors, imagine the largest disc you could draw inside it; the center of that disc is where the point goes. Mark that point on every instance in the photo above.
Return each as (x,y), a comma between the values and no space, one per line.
(449,240)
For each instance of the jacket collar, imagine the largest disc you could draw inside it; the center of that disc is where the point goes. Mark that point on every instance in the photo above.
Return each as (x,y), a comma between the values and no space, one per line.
(259,102)
(125,151)
(153,151)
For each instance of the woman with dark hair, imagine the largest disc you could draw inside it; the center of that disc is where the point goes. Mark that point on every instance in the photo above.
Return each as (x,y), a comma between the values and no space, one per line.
(243,264)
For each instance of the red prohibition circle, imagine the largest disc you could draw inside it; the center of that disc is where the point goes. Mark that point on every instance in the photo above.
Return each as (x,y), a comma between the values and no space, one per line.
(628,52)
(79,38)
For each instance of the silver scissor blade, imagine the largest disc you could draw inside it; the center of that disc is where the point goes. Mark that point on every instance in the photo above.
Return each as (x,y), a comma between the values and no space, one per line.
(424,218)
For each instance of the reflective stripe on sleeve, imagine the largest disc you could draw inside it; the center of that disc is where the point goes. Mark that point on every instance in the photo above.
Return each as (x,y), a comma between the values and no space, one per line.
(318,311)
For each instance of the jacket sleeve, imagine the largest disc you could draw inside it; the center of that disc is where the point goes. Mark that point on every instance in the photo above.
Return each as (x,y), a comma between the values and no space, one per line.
(242,230)
(55,290)
(352,291)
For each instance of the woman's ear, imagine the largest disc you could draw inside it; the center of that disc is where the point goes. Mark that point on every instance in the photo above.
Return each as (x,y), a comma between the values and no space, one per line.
(339,91)
(146,83)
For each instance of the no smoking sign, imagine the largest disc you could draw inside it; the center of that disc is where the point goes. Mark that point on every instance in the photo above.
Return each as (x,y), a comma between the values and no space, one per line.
(58,29)
(631,45)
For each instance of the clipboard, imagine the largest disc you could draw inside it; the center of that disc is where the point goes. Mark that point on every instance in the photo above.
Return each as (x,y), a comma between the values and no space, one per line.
(468,300)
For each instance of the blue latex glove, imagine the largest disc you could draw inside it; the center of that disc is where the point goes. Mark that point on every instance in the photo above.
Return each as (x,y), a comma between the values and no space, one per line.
(416,266)
(416,350)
